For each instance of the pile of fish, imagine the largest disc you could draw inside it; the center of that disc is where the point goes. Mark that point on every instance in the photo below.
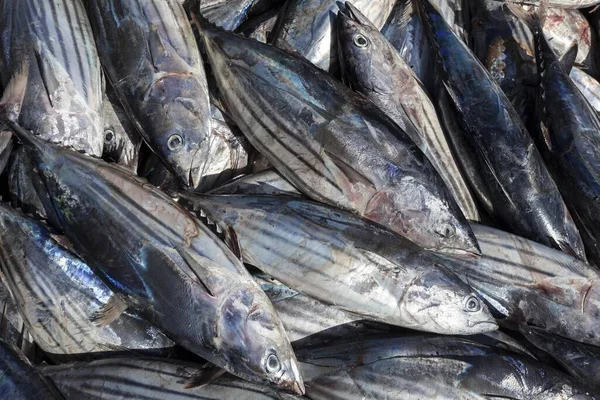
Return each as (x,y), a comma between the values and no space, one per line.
(324,199)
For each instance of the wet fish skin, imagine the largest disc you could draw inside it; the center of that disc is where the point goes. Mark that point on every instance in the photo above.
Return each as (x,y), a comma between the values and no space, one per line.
(12,327)
(48,46)
(588,86)
(265,182)
(341,259)
(41,274)
(121,141)
(581,360)
(518,188)
(152,60)
(20,379)
(426,367)
(375,69)
(504,45)
(307,27)
(571,141)
(166,265)
(528,284)
(332,144)
(150,379)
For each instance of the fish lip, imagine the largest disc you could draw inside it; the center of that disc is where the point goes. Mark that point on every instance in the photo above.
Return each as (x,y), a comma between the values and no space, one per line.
(494,324)
(460,253)
(299,388)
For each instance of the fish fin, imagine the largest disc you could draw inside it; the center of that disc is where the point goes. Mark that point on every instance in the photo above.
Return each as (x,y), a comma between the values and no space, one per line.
(157,47)
(63,241)
(196,268)
(206,375)
(14,93)
(349,171)
(114,307)
(567,61)
(285,46)
(232,241)
(26,137)
(535,19)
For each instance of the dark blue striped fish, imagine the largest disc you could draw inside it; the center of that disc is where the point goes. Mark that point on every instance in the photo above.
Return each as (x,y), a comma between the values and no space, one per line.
(51,71)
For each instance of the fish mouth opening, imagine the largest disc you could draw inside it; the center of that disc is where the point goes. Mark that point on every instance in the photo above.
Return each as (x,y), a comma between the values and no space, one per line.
(473,253)
(350,12)
(196,170)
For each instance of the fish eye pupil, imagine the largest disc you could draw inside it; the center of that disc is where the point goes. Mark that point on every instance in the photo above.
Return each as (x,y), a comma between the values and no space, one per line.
(360,41)
(175,142)
(273,363)
(109,135)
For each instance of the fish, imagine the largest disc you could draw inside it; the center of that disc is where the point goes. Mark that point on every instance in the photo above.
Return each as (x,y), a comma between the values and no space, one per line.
(227,14)
(514,184)
(334,145)
(571,136)
(51,72)
(151,58)
(20,379)
(265,182)
(149,379)
(525,284)
(404,31)
(562,4)
(306,27)
(343,260)
(580,360)
(429,367)
(12,327)
(456,16)
(504,45)
(588,86)
(374,68)
(303,316)
(163,264)
(260,27)
(122,143)
(58,295)
(7,144)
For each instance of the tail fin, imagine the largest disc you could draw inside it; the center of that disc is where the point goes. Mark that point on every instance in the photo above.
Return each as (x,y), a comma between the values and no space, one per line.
(534,19)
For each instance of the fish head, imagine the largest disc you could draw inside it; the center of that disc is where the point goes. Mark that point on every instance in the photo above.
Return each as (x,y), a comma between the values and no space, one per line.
(183,124)
(364,52)
(259,347)
(440,302)
(427,217)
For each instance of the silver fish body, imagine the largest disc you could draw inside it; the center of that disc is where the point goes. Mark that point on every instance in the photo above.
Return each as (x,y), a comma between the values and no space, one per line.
(343,260)
(429,367)
(588,86)
(149,379)
(50,69)
(58,295)
(165,265)
(526,283)
(373,67)
(332,144)
(150,55)
(307,27)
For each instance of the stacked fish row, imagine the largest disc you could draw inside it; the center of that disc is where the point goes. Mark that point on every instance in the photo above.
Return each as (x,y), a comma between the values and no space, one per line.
(264,199)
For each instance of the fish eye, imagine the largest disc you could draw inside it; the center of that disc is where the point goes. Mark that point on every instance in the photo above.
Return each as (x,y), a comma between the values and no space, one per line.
(472,304)
(175,142)
(273,364)
(109,135)
(446,231)
(360,40)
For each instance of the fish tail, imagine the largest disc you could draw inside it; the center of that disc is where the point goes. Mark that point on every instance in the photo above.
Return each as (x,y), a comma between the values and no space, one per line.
(200,20)
(534,19)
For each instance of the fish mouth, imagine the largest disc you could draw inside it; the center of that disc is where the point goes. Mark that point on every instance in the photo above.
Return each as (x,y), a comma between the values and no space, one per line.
(470,254)
(350,12)
(195,170)
(492,325)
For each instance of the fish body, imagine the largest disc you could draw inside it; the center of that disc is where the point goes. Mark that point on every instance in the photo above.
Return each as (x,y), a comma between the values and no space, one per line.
(373,67)
(332,144)
(515,185)
(50,69)
(343,260)
(165,265)
(429,367)
(58,295)
(307,27)
(150,56)
(526,283)
(20,379)
(588,86)
(571,140)
(149,379)
(581,360)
